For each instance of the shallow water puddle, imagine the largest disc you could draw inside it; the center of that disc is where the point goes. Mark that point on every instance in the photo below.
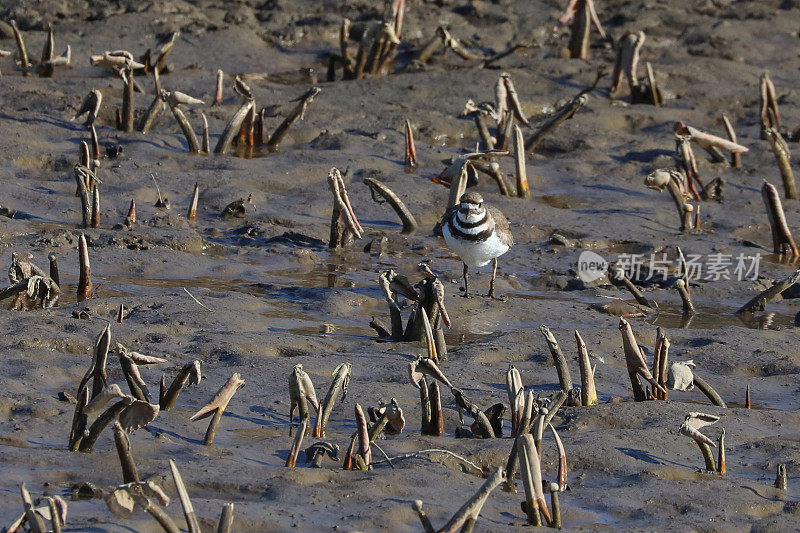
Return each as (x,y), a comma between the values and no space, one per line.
(321,276)
(780,259)
(248,152)
(671,317)
(202,282)
(471,328)
(69,295)
(328,276)
(709,318)
(282,294)
(576,242)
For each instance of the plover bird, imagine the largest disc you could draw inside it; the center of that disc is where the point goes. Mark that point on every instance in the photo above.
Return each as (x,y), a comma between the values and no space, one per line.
(478,234)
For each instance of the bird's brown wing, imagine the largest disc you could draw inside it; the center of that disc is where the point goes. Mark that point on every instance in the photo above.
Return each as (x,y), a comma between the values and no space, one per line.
(501,226)
(448,214)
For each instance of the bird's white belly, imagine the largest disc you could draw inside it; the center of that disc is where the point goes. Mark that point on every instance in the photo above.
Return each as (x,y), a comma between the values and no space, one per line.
(475,253)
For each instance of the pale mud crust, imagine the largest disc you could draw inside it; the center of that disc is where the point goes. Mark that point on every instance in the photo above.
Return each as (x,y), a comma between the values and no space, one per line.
(272,285)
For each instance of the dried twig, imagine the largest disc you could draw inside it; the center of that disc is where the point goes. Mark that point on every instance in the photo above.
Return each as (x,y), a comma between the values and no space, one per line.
(232,128)
(291,460)
(559,360)
(217,406)
(364,450)
(410,149)
(523,190)
(34,520)
(301,392)
(127,98)
(516,398)
(186,503)
(709,391)
(132,414)
(226,518)
(634,361)
(341,380)
(482,428)
(297,114)
(721,462)
(588,391)
(530,470)
(22,50)
(198,302)
(562,461)
(708,141)
(435,426)
(580,29)
(218,93)
(736,157)
(691,428)
(759,302)
(627,61)
(408,220)
(394,308)
(688,306)
(769,113)
(660,362)
(477,469)
(149,117)
(192,213)
(344,224)
(467,515)
(675,183)
(566,112)
(206,146)
(781,150)
(782,478)
(188,375)
(129,471)
(85,279)
(782,240)
(530,411)
(175,99)
(85,178)
(90,106)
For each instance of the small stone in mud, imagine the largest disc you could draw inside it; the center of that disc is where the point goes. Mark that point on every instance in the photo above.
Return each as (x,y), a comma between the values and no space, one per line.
(464,433)
(86,491)
(234,209)
(66,397)
(376,247)
(163,437)
(112,152)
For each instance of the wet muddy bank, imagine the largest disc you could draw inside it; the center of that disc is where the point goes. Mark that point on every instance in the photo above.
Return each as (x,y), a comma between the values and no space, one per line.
(274,296)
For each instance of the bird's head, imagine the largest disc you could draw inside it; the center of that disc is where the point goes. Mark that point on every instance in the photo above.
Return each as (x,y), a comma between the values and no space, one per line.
(471,204)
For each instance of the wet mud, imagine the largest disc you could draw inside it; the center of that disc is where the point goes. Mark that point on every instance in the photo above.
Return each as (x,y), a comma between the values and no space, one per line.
(273,295)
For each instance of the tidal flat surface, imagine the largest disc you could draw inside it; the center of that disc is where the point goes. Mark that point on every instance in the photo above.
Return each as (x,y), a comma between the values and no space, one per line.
(274,296)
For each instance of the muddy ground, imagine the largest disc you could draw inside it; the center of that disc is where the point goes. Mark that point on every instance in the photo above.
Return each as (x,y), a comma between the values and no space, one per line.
(274,296)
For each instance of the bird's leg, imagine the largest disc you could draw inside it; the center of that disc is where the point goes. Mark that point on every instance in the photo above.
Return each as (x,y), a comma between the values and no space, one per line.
(466,281)
(491,283)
